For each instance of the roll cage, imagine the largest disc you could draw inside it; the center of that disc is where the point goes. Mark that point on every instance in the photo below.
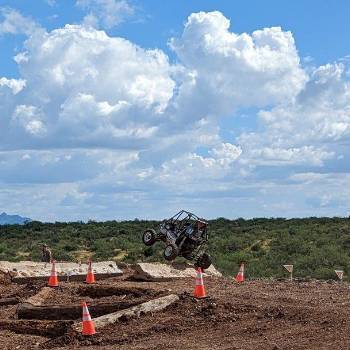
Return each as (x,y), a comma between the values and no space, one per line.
(183,219)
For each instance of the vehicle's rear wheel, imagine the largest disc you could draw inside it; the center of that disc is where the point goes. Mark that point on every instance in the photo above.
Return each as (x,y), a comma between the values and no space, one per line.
(149,237)
(203,261)
(170,252)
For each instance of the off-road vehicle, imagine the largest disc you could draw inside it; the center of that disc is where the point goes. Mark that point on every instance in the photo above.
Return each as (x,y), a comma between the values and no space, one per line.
(184,234)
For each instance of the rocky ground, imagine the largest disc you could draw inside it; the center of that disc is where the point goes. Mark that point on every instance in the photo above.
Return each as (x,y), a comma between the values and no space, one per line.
(262,314)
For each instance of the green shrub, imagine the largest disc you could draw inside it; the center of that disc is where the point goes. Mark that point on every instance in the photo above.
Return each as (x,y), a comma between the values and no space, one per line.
(316,246)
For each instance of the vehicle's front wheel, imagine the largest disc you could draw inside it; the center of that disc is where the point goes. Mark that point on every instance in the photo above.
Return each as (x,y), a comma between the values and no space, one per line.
(170,252)
(149,237)
(203,261)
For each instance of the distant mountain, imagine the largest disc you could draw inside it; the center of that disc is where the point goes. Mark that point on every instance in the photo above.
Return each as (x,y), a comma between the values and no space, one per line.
(12,219)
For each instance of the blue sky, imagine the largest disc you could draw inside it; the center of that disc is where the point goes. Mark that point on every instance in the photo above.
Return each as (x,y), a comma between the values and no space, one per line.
(116,109)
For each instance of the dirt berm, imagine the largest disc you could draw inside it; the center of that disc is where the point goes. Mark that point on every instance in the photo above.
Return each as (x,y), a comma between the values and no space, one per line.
(25,271)
(165,272)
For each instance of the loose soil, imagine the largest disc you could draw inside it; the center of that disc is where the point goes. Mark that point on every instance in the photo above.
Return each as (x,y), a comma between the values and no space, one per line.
(264,314)
(77,292)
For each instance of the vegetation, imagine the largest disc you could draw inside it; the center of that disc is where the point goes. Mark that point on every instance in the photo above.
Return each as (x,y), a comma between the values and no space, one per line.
(316,246)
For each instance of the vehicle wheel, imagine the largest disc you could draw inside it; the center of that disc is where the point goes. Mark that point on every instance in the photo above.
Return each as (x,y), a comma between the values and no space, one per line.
(149,237)
(170,252)
(203,261)
(187,255)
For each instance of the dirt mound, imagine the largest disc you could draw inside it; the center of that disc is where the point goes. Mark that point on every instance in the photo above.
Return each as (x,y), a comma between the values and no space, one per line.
(74,293)
(24,271)
(167,272)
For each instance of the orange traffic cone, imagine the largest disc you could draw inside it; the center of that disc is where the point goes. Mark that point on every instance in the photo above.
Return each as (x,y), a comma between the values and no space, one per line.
(53,280)
(199,291)
(88,323)
(240,276)
(90,277)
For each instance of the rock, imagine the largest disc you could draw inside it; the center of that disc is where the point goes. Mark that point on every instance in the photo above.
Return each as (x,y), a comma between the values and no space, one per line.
(5,278)
(122,265)
(24,271)
(133,312)
(164,272)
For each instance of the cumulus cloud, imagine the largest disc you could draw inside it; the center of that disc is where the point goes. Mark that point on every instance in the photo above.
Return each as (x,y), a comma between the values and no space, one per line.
(106,13)
(321,110)
(233,70)
(16,85)
(226,153)
(309,129)
(92,87)
(111,121)
(97,90)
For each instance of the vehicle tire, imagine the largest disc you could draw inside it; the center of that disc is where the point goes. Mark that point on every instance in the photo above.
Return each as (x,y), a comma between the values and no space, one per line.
(170,252)
(149,237)
(203,261)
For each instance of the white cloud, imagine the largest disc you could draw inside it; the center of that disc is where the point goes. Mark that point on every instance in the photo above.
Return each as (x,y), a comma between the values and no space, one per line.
(16,85)
(187,169)
(106,13)
(232,70)
(226,153)
(21,57)
(275,156)
(29,117)
(309,129)
(111,121)
(321,111)
(193,168)
(65,165)
(97,90)
(307,178)
(14,22)
(91,87)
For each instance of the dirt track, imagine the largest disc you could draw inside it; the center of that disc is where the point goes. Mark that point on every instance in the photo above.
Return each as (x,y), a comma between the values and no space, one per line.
(255,315)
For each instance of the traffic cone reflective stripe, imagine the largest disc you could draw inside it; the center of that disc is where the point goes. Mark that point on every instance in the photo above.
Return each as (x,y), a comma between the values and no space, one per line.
(199,279)
(87,317)
(88,323)
(53,280)
(90,277)
(199,291)
(86,313)
(240,275)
